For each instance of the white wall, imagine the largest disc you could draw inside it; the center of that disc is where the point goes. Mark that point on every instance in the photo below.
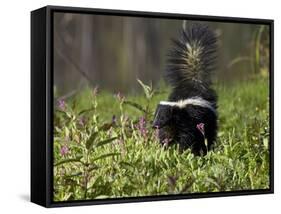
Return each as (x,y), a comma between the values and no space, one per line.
(15,105)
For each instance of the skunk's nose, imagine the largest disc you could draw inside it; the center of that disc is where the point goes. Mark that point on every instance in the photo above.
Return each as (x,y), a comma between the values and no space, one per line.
(155,122)
(155,125)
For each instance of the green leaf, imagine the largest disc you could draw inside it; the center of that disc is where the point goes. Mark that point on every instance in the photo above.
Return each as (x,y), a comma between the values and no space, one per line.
(91,140)
(70,160)
(81,173)
(105,156)
(135,105)
(104,142)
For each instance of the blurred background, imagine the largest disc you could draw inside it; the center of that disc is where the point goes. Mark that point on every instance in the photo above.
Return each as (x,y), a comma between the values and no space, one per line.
(112,52)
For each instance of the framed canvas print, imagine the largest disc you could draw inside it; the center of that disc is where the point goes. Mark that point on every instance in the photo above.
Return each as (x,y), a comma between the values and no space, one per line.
(137,106)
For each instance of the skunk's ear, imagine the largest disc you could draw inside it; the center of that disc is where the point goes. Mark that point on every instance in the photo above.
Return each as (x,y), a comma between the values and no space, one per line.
(162,116)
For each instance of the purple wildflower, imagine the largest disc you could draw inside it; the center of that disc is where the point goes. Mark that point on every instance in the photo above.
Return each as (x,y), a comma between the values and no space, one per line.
(142,122)
(61,104)
(64,150)
(114,120)
(141,126)
(81,121)
(201,128)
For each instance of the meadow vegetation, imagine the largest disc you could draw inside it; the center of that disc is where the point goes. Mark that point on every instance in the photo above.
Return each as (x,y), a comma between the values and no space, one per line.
(104,146)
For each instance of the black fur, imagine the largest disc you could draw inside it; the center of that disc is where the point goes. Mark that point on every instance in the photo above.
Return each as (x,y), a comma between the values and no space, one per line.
(190,64)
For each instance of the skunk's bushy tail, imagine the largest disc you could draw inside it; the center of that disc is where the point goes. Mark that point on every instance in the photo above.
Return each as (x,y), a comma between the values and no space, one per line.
(192,57)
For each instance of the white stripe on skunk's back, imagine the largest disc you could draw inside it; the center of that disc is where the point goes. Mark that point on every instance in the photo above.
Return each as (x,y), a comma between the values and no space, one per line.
(196,101)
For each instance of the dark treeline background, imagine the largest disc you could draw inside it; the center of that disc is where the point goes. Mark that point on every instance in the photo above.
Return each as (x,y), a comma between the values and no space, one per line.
(112,51)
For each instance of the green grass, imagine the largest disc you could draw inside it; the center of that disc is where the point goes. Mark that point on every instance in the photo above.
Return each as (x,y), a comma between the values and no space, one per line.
(97,158)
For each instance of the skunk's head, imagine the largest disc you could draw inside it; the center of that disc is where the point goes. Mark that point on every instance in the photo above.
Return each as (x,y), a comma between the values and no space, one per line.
(163,116)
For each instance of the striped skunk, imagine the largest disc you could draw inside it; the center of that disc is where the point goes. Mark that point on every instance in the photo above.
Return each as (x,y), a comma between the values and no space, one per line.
(189,117)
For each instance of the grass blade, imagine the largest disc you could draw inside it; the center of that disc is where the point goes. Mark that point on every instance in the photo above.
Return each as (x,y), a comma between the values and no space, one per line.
(105,156)
(77,159)
(135,105)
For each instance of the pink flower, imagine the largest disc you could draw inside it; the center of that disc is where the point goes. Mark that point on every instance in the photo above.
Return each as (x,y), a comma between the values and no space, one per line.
(61,104)
(81,121)
(64,150)
(201,128)
(141,126)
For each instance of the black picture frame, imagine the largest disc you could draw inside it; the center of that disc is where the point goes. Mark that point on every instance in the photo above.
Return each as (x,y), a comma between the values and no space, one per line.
(42,104)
